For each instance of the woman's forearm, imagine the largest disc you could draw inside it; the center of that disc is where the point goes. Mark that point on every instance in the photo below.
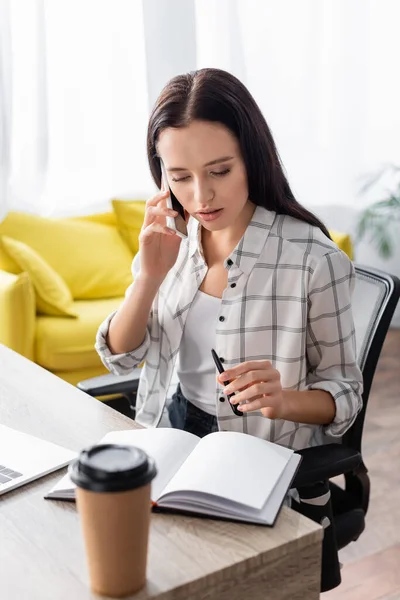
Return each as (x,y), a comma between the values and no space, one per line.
(315,407)
(128,326)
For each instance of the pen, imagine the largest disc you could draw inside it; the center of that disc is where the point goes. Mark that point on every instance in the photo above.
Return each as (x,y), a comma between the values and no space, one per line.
(221,370)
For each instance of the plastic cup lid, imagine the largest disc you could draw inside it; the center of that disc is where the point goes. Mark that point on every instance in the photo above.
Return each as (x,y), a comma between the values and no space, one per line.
(112,468)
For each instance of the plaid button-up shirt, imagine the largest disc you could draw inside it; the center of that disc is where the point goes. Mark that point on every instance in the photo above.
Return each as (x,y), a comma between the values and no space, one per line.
(288,300)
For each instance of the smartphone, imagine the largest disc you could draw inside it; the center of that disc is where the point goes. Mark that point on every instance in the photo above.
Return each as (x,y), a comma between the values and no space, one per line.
(221,369)
(178,224)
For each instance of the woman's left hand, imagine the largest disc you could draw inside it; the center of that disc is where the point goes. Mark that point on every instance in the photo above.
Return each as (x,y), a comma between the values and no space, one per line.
(257,384)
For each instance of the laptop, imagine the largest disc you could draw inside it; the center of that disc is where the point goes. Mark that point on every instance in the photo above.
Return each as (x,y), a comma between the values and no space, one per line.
(24,458)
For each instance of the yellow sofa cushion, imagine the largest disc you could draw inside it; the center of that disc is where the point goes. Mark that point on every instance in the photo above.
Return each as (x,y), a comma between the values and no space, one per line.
(129,215)
(66,345)
(17,313)
(343,241)
(6,262)
(52,294)
(91,257)
(105,218)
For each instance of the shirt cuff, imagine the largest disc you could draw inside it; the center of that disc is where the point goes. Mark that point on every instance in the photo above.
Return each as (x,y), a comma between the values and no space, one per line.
(348,404)
(119,364)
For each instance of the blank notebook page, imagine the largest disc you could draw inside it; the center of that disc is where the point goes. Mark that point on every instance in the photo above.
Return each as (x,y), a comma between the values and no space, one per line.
(240,468)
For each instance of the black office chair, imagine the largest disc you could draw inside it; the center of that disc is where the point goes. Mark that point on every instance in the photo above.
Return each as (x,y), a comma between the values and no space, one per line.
(375,299)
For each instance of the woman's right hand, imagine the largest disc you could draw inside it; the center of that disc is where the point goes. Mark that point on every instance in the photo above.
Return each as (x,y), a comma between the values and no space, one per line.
(158,244)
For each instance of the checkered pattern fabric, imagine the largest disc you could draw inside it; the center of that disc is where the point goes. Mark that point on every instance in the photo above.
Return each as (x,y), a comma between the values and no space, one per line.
(288,300)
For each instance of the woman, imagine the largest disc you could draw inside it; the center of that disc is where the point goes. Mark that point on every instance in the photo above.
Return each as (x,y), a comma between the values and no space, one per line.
(258,279)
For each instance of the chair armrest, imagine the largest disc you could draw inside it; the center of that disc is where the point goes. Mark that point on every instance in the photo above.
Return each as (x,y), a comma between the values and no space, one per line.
(111,384)
(320,463)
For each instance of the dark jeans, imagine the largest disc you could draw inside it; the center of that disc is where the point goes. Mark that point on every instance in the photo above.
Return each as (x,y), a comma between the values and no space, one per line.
(184,415)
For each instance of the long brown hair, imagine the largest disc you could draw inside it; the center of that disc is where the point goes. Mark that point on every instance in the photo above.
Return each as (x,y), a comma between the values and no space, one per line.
(217,96)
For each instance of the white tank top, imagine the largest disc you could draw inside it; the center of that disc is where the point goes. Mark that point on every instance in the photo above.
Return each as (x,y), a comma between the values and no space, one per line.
(195,366)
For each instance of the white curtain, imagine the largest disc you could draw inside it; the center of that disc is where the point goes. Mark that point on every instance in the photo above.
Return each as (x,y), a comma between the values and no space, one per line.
(73,105)
(75,97)
(5,104)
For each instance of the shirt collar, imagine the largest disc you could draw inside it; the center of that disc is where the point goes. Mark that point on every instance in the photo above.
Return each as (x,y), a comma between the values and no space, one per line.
(250,245)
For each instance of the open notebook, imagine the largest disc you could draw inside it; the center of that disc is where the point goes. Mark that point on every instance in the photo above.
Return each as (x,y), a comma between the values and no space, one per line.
(225,474)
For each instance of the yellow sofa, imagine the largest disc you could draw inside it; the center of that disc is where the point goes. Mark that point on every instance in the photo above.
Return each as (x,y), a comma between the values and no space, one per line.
(59,278)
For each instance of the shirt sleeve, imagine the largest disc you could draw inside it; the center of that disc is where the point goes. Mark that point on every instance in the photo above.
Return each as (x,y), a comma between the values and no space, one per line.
(122,364)
(331,342)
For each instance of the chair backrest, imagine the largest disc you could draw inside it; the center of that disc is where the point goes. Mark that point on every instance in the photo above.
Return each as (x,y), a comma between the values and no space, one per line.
(374,301)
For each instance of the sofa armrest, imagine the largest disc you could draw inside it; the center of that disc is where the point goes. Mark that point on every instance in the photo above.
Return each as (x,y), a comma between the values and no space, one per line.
(343,241)
(17,313)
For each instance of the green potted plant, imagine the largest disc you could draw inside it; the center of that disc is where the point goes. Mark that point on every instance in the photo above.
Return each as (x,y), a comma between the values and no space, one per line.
(379,222)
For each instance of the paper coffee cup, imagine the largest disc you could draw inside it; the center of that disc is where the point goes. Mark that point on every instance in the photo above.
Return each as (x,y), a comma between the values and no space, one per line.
(113,499)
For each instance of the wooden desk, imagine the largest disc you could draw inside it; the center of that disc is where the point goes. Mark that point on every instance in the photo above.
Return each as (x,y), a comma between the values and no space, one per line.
(41,549)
